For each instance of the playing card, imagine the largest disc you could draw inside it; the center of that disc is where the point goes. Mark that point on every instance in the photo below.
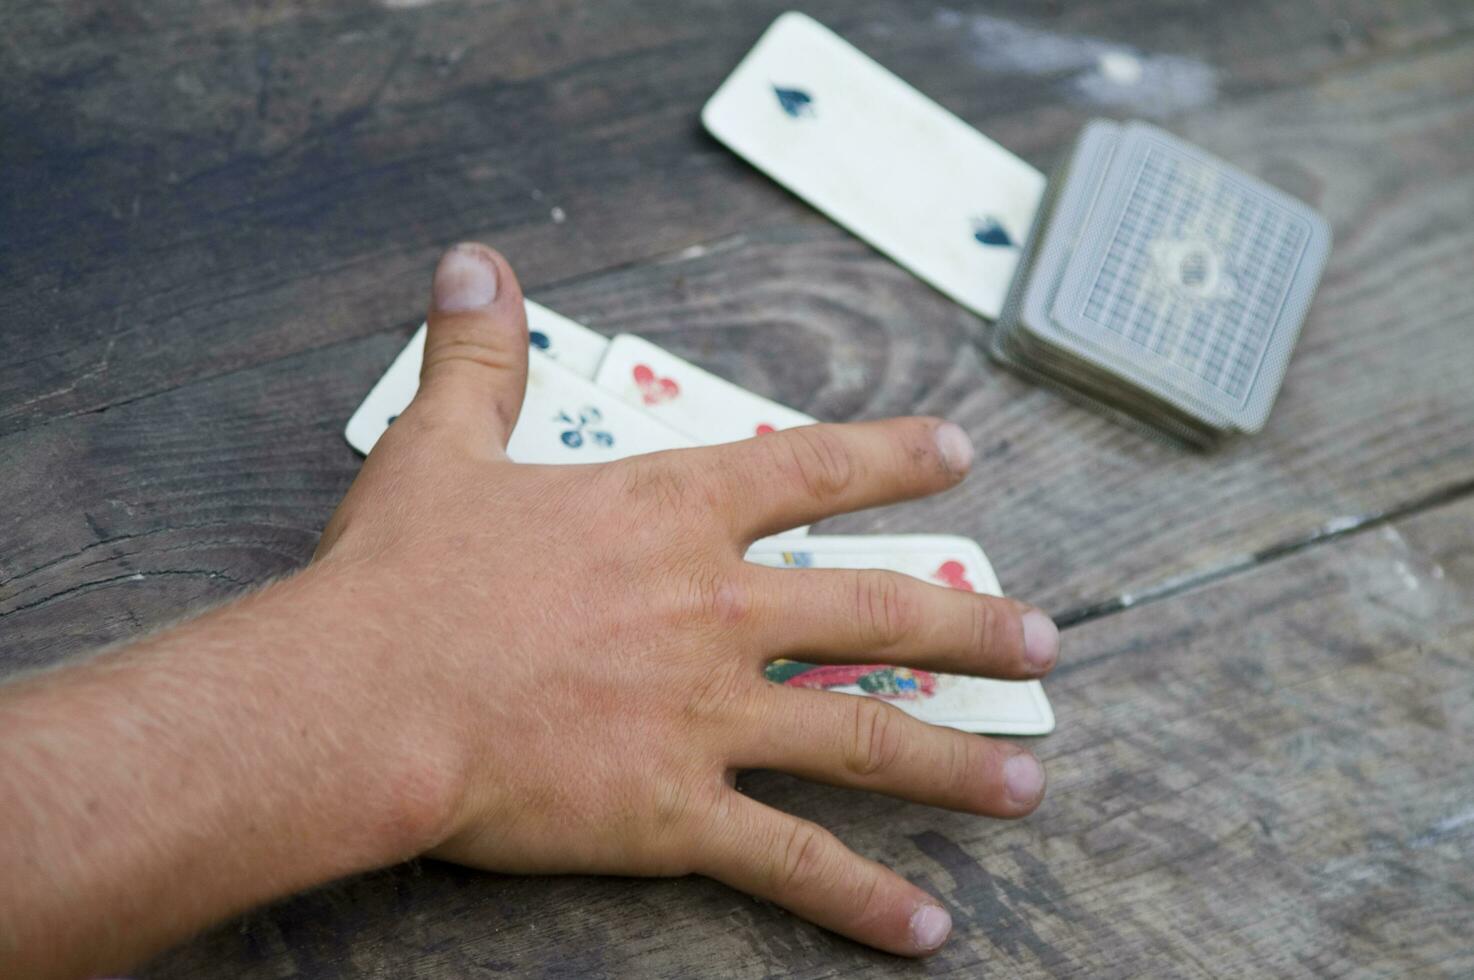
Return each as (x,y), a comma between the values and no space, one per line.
(390,395)
(566,341)
(558,338)
(569,419)
(967,703)
(705,407)
(880,158)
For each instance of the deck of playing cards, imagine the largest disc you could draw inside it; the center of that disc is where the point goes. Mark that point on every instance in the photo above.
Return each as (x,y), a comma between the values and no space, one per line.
(1162,285)
(591,400)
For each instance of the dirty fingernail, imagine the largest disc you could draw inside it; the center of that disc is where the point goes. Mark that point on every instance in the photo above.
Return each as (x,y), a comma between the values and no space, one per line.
(1024,778)
(465,279)
(955,447)
(930,926)
(1041,640)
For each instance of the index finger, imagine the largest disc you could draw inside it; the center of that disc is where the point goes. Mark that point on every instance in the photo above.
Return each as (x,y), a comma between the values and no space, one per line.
(782,480)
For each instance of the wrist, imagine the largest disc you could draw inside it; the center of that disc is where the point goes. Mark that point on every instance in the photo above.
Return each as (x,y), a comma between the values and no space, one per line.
(366,698)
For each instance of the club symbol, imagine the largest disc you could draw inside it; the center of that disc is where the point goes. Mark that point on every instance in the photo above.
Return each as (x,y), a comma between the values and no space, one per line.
(574,438)
(989,230)
(539,339)
(794,101)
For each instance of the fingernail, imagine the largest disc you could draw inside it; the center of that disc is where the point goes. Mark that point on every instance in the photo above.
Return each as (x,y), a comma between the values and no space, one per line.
(1024,778)
(1041,640)
(465,279)
(930,926)
(955,447)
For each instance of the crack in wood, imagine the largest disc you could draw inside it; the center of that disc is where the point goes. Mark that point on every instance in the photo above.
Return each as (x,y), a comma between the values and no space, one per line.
(1331,530)
(136,576)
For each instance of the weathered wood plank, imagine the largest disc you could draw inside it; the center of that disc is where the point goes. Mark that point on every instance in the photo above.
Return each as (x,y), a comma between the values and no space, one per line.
(191,190)
(118,522)
(1073,510)
(1262,777)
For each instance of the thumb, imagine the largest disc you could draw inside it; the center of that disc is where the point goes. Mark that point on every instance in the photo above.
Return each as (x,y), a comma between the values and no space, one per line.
(475,368)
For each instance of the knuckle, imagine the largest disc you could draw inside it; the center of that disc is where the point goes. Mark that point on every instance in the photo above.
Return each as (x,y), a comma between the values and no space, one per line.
(983,624)
(875,739)
(720,693)
(683,824)
(654,482)
(886,610)
(675,802)
(728,603)
(963,765)
(870,900)
(821,462)
(714,597)
(470,352)
(476,338)
(802,862)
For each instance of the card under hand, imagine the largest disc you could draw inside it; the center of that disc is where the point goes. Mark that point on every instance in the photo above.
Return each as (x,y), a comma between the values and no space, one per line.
(880,158)
(556,337)
(697,403)
(568,419)
(705,407)
(970,704)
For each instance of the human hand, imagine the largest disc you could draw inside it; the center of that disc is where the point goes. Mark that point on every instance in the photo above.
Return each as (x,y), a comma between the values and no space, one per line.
(581,647)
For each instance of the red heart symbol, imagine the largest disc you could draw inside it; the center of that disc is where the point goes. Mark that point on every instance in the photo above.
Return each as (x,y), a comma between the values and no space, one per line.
(654,390)
(954,574)
(764,428)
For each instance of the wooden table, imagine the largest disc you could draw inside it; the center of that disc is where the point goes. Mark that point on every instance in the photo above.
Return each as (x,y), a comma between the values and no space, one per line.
(218,222)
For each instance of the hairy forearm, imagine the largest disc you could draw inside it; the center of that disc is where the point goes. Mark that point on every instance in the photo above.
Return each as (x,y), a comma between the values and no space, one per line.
(231,760)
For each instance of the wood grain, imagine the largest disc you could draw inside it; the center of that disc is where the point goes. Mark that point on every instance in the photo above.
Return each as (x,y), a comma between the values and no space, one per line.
(119,522)
(1261,777)
(1077,513)
(191,191)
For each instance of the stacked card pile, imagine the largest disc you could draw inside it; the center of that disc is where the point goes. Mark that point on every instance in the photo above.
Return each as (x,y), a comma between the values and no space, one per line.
(1162,284)
(591,399)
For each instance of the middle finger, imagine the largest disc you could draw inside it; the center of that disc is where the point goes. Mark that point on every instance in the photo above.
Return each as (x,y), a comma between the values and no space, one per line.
(863,743)
(851,616)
